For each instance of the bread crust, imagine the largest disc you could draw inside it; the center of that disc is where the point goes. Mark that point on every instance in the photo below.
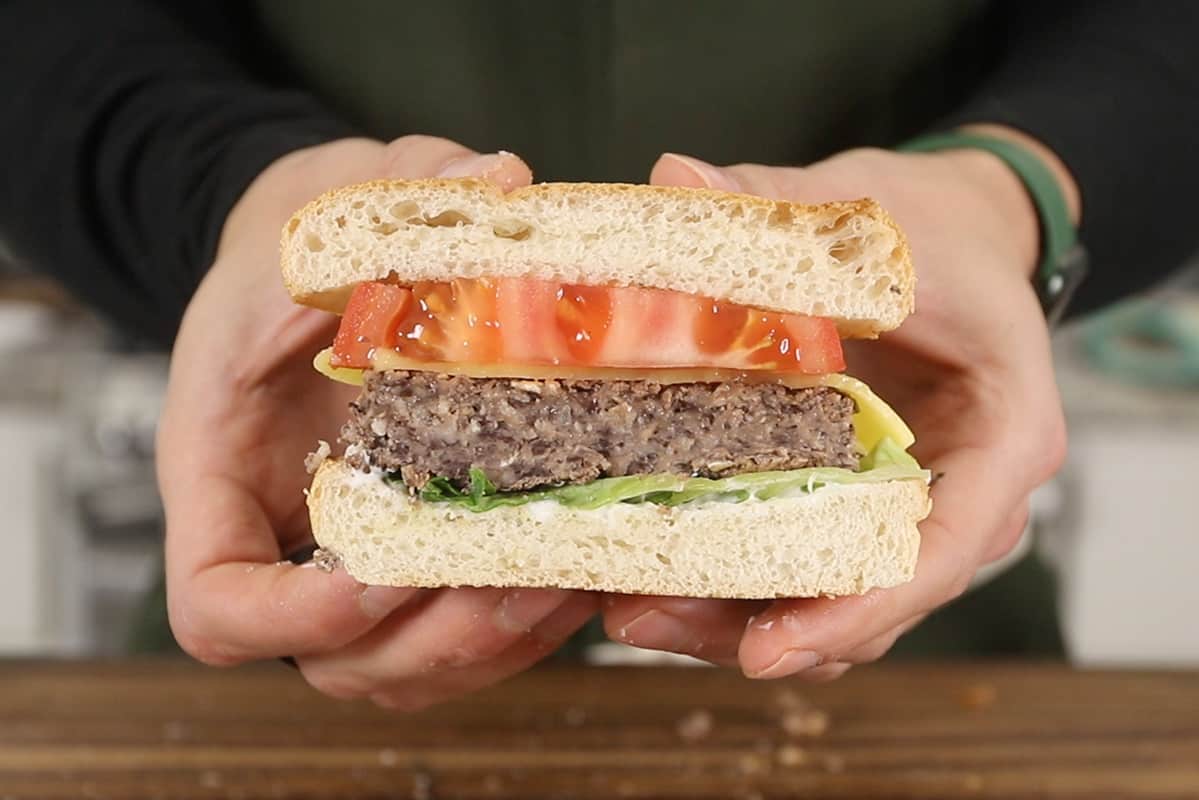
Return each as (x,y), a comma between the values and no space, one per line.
(838,540)
(845,260)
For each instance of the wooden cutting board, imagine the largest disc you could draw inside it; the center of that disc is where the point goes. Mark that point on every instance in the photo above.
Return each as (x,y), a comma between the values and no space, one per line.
(177,730)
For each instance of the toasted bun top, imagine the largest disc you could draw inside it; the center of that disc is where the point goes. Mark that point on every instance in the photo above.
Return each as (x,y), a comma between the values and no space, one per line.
(846,261)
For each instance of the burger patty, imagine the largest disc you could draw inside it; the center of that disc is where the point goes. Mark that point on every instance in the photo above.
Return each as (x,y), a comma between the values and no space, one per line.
(525,434)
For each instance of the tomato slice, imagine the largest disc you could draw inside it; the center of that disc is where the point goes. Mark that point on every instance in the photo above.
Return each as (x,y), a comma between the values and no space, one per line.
(525,321)
(372,319)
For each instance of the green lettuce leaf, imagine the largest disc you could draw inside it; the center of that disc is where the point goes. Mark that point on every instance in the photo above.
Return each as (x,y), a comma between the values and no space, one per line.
(887,462)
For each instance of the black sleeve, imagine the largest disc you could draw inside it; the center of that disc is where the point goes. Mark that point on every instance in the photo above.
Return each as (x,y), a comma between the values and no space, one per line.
(1113,89)
(130,130)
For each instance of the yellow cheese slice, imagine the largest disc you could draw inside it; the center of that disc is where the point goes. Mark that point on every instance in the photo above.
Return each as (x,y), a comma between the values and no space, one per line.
(873,421)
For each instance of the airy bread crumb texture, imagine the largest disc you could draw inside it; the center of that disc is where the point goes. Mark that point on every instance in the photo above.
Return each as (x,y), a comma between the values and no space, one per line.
(839,540)
(846,261)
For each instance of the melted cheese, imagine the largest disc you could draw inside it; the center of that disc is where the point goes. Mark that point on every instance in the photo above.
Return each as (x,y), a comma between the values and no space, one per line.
(873,421)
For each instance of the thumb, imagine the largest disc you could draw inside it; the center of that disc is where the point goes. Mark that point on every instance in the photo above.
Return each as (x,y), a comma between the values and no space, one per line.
(776,183)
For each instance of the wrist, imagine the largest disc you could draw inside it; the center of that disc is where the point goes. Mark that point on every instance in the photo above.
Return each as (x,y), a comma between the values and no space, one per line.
(1007,213)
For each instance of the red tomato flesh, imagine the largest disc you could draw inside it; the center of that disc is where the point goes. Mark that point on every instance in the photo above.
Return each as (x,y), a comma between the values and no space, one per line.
(523,321)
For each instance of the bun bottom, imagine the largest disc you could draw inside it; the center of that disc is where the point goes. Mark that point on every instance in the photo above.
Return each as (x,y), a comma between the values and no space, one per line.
(839,540)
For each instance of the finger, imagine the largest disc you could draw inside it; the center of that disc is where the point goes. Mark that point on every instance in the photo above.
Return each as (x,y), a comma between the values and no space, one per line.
(431,156)
(456,628)
(543,639)
(707,629)
(880,645)
(777,183)
(968,508)
(233,599)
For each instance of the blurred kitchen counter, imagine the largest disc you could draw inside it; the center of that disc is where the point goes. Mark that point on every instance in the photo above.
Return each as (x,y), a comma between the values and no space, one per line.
(177,730)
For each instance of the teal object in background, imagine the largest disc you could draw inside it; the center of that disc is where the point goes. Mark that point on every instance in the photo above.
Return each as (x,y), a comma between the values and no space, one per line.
(1150,342)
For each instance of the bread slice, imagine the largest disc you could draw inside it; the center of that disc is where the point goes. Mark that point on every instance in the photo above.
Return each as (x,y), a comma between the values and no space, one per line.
(846,261)
(838,540)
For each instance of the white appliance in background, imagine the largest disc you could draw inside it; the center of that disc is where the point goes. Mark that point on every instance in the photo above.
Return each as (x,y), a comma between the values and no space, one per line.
(80,525)
(1125,533)
(30,619)
(30,440)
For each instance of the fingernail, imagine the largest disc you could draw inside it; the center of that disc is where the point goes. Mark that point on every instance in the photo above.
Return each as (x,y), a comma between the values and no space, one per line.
(379,601)
(711,176)
(656,630)
(474,166)
(789,663)
(519,610)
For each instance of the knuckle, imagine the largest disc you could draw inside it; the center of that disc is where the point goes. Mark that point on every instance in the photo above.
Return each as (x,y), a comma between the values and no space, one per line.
(204,650)
(1054,452)
(196,643)
(336,683)
(876,648)
(958,584)
(408,154)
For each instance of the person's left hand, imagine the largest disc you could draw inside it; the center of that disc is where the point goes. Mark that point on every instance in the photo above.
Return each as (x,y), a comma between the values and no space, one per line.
(970,371)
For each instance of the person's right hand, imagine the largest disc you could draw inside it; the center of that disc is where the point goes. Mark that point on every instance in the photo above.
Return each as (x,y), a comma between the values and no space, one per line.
(244,406)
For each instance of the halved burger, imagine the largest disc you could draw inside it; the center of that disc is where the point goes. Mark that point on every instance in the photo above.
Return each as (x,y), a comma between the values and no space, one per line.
(608,387)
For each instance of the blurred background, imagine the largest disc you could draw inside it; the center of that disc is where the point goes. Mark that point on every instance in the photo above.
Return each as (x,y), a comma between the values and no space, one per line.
(1115,536)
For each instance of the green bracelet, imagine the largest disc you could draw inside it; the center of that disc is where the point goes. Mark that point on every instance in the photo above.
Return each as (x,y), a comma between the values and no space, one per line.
(1063,263)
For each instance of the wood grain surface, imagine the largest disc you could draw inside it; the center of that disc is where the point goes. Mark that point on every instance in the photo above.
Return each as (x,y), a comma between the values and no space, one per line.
(176,730)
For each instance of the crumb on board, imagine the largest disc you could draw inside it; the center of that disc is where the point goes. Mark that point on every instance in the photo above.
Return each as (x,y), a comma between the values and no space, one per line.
(791,700)
(174,731)
(790,755)
(388,757)
(978,696)
(422,785)
(575,716)
(973,782)
(833,762)
(696,725)
(753,764)
(810,722)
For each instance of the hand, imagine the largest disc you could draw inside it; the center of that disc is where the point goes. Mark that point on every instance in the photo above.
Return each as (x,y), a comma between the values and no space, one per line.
(970,371)
(243,407)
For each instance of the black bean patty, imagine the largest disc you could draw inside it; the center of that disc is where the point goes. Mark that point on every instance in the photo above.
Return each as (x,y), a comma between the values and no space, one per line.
(529,433)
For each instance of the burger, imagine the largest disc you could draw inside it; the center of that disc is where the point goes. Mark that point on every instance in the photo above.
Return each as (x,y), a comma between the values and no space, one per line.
(608,387)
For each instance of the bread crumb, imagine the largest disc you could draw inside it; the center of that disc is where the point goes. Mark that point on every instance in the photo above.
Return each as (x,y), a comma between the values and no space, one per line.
(325,561)
(752,764)
(313,460)
(805,723)
(174,731)
(790,755)
(832,762)
(388,757)
(695,726)
(790,699)
(210,779)
(422,786)
(575,716)
(978,696)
